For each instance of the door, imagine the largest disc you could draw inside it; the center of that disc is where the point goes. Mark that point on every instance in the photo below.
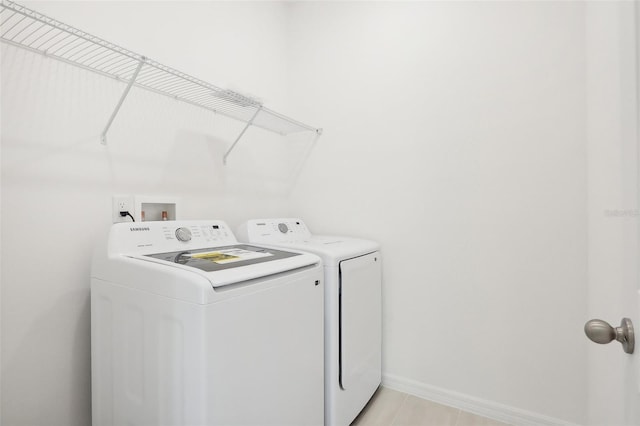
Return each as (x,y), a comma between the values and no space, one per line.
(613,234)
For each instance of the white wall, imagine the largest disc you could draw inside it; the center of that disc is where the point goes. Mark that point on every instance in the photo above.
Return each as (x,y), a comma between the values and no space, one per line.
(57,180)
(455,135)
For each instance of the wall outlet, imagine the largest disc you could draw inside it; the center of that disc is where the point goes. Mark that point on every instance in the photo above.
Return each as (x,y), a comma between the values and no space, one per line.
(122,203)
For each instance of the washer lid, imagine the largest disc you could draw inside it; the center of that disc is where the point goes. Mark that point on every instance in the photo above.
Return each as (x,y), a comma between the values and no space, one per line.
(227,265)
(220,258)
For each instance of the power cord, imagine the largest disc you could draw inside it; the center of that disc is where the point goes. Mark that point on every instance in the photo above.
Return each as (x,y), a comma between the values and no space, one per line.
(125,214)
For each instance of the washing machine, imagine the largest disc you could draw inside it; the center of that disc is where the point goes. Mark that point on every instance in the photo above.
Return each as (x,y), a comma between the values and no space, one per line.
(352,271)
(189,327)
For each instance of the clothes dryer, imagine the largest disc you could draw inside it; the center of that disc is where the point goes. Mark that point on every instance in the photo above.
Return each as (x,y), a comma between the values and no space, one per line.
(352,271)
(188,327)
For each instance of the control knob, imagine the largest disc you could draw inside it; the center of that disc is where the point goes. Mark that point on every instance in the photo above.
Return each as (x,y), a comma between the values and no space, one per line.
(183,234)
(283,228)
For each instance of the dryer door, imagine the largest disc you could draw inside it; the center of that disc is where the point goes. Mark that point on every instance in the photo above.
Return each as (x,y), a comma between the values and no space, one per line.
(360,324)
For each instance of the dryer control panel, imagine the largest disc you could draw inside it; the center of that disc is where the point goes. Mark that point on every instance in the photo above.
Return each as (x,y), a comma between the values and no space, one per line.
(274,231)
(166,236)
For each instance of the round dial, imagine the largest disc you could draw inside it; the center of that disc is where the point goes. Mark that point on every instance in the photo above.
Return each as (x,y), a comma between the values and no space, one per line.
(283,228)
(183,234)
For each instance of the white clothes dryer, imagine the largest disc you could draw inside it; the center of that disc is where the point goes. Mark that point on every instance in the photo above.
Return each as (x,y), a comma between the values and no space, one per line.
(353,280)
(188,327)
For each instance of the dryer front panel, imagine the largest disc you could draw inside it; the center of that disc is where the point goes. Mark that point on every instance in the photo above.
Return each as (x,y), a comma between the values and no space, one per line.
(360,337)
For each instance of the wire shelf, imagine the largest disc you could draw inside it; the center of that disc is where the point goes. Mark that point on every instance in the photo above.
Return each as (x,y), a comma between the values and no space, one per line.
(31,30)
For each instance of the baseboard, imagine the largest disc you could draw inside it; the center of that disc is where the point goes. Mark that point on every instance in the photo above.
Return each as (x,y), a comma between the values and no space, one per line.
(481,407)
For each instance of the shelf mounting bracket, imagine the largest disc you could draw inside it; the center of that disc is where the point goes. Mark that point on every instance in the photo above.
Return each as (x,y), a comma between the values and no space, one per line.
(103,137)
(233,145)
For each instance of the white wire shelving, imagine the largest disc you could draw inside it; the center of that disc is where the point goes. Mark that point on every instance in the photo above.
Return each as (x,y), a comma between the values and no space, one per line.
(31,30)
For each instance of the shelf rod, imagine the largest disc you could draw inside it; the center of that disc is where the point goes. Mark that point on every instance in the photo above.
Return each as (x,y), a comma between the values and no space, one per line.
(224,159)
(124,95)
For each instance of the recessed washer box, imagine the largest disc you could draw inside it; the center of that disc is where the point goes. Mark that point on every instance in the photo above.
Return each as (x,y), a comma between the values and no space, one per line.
(151,208)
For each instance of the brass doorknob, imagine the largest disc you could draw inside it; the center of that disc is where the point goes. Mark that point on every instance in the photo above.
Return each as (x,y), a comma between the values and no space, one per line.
(601,332)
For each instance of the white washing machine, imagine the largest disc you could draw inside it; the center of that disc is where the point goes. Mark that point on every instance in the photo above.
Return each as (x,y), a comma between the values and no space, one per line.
(188,327)
(353,327)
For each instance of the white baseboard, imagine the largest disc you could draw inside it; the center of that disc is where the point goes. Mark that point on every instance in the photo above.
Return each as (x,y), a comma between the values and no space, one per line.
(472,404)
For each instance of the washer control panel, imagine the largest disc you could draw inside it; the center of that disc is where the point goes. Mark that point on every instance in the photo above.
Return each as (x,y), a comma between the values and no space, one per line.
(209,233)
(274,231)
(165,236)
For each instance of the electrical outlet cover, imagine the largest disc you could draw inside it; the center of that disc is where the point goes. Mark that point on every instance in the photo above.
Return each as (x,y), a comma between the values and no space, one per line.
(122,203)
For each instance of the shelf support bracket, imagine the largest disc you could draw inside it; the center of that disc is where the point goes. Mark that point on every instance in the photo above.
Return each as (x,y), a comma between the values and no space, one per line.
(233,145)
(103,137)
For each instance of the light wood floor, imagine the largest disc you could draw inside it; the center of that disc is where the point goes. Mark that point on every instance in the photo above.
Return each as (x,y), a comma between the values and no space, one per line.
(393,408)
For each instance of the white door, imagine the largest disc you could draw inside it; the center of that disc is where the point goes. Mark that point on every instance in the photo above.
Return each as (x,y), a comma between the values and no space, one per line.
(612,117)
